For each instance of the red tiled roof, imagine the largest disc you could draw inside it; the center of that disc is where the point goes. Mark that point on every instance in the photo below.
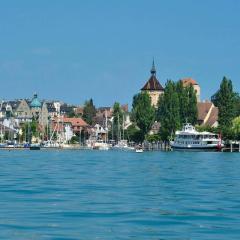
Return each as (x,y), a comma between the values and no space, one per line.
(188,81)
(75,121)
(153,84)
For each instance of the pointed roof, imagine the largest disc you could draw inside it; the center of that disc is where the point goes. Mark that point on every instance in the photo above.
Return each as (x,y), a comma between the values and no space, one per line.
(153,84)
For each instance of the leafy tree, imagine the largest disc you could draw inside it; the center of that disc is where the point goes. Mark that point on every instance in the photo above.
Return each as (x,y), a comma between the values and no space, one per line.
(134,134)
(183,102)
(187,103)
(71,113)
(74,140)
(143,113)
(192,111)
(117,125)
(236,128)
(153,138)
(237,104)
(34,128)
(225,100)
(89,112)
(207,128)
(168,113)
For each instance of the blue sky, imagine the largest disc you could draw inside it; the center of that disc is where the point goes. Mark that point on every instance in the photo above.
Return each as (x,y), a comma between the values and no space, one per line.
(72,50)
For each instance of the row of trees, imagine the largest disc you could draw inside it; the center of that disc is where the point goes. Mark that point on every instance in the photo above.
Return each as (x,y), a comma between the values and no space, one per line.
(177,106)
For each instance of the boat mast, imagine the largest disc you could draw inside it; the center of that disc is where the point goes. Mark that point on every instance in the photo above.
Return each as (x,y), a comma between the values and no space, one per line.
(119,132)
(123,126)
(106,127)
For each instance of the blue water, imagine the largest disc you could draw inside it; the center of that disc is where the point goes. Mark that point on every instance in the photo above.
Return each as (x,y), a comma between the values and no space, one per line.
(118,195)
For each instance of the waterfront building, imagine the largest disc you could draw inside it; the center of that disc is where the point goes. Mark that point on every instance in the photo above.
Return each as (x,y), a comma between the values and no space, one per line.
(23,111)
(53,111)
(77,124)
(39,110)
(189,81)
(78,111)
(155,128)
(207,114)
(66,127)
(8,108)
(98,132)
(8,131)
(153,87)
(67,109)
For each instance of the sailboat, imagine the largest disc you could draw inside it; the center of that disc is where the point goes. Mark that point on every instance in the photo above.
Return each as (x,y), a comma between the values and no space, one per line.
(56,131)
(122,143)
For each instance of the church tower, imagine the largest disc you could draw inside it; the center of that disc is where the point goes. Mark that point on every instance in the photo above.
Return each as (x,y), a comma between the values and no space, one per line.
(153,86)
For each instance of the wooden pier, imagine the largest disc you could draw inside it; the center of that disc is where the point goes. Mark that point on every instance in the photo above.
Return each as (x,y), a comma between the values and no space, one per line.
(156,146)
(232,146)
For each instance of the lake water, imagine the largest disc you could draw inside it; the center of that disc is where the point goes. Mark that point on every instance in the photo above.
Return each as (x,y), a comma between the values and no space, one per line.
(119,195)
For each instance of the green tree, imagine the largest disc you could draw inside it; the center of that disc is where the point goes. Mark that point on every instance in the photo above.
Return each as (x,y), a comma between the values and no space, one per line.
(34,128)
(237,104)
(187,103)
(225,100)
(143,113)
(153,138)
(71,113)
(183,102)
(168,113)
(192,111)
(89,112)
(117,125)
(236,128)
(134,134)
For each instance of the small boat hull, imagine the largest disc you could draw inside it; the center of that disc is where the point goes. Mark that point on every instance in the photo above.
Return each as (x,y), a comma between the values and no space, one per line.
(193,148)
(35,147)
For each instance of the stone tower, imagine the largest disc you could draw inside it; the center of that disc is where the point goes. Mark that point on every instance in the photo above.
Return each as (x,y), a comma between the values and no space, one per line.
(153,87)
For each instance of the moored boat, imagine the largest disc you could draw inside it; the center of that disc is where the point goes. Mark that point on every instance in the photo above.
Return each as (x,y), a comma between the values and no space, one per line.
(35,146)
(101,145)
(123,145)
(139,150)
(190,139)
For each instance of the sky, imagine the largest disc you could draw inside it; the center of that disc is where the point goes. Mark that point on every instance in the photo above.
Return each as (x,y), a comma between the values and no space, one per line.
(74,50)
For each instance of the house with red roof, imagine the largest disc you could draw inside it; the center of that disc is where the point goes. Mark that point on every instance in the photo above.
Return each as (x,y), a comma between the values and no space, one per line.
(77,124)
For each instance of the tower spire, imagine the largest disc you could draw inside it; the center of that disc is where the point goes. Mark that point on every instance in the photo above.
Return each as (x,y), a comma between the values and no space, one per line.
(153,69)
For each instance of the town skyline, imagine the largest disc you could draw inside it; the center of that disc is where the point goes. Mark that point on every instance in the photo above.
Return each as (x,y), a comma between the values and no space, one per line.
(76,51)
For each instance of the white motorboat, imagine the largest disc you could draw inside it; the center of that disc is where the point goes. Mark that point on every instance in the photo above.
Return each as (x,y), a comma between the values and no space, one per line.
(101,145)
(190,139)
(139,150)
(123,145)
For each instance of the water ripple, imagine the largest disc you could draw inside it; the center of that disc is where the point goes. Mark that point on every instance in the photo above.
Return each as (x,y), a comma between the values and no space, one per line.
(119,195)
